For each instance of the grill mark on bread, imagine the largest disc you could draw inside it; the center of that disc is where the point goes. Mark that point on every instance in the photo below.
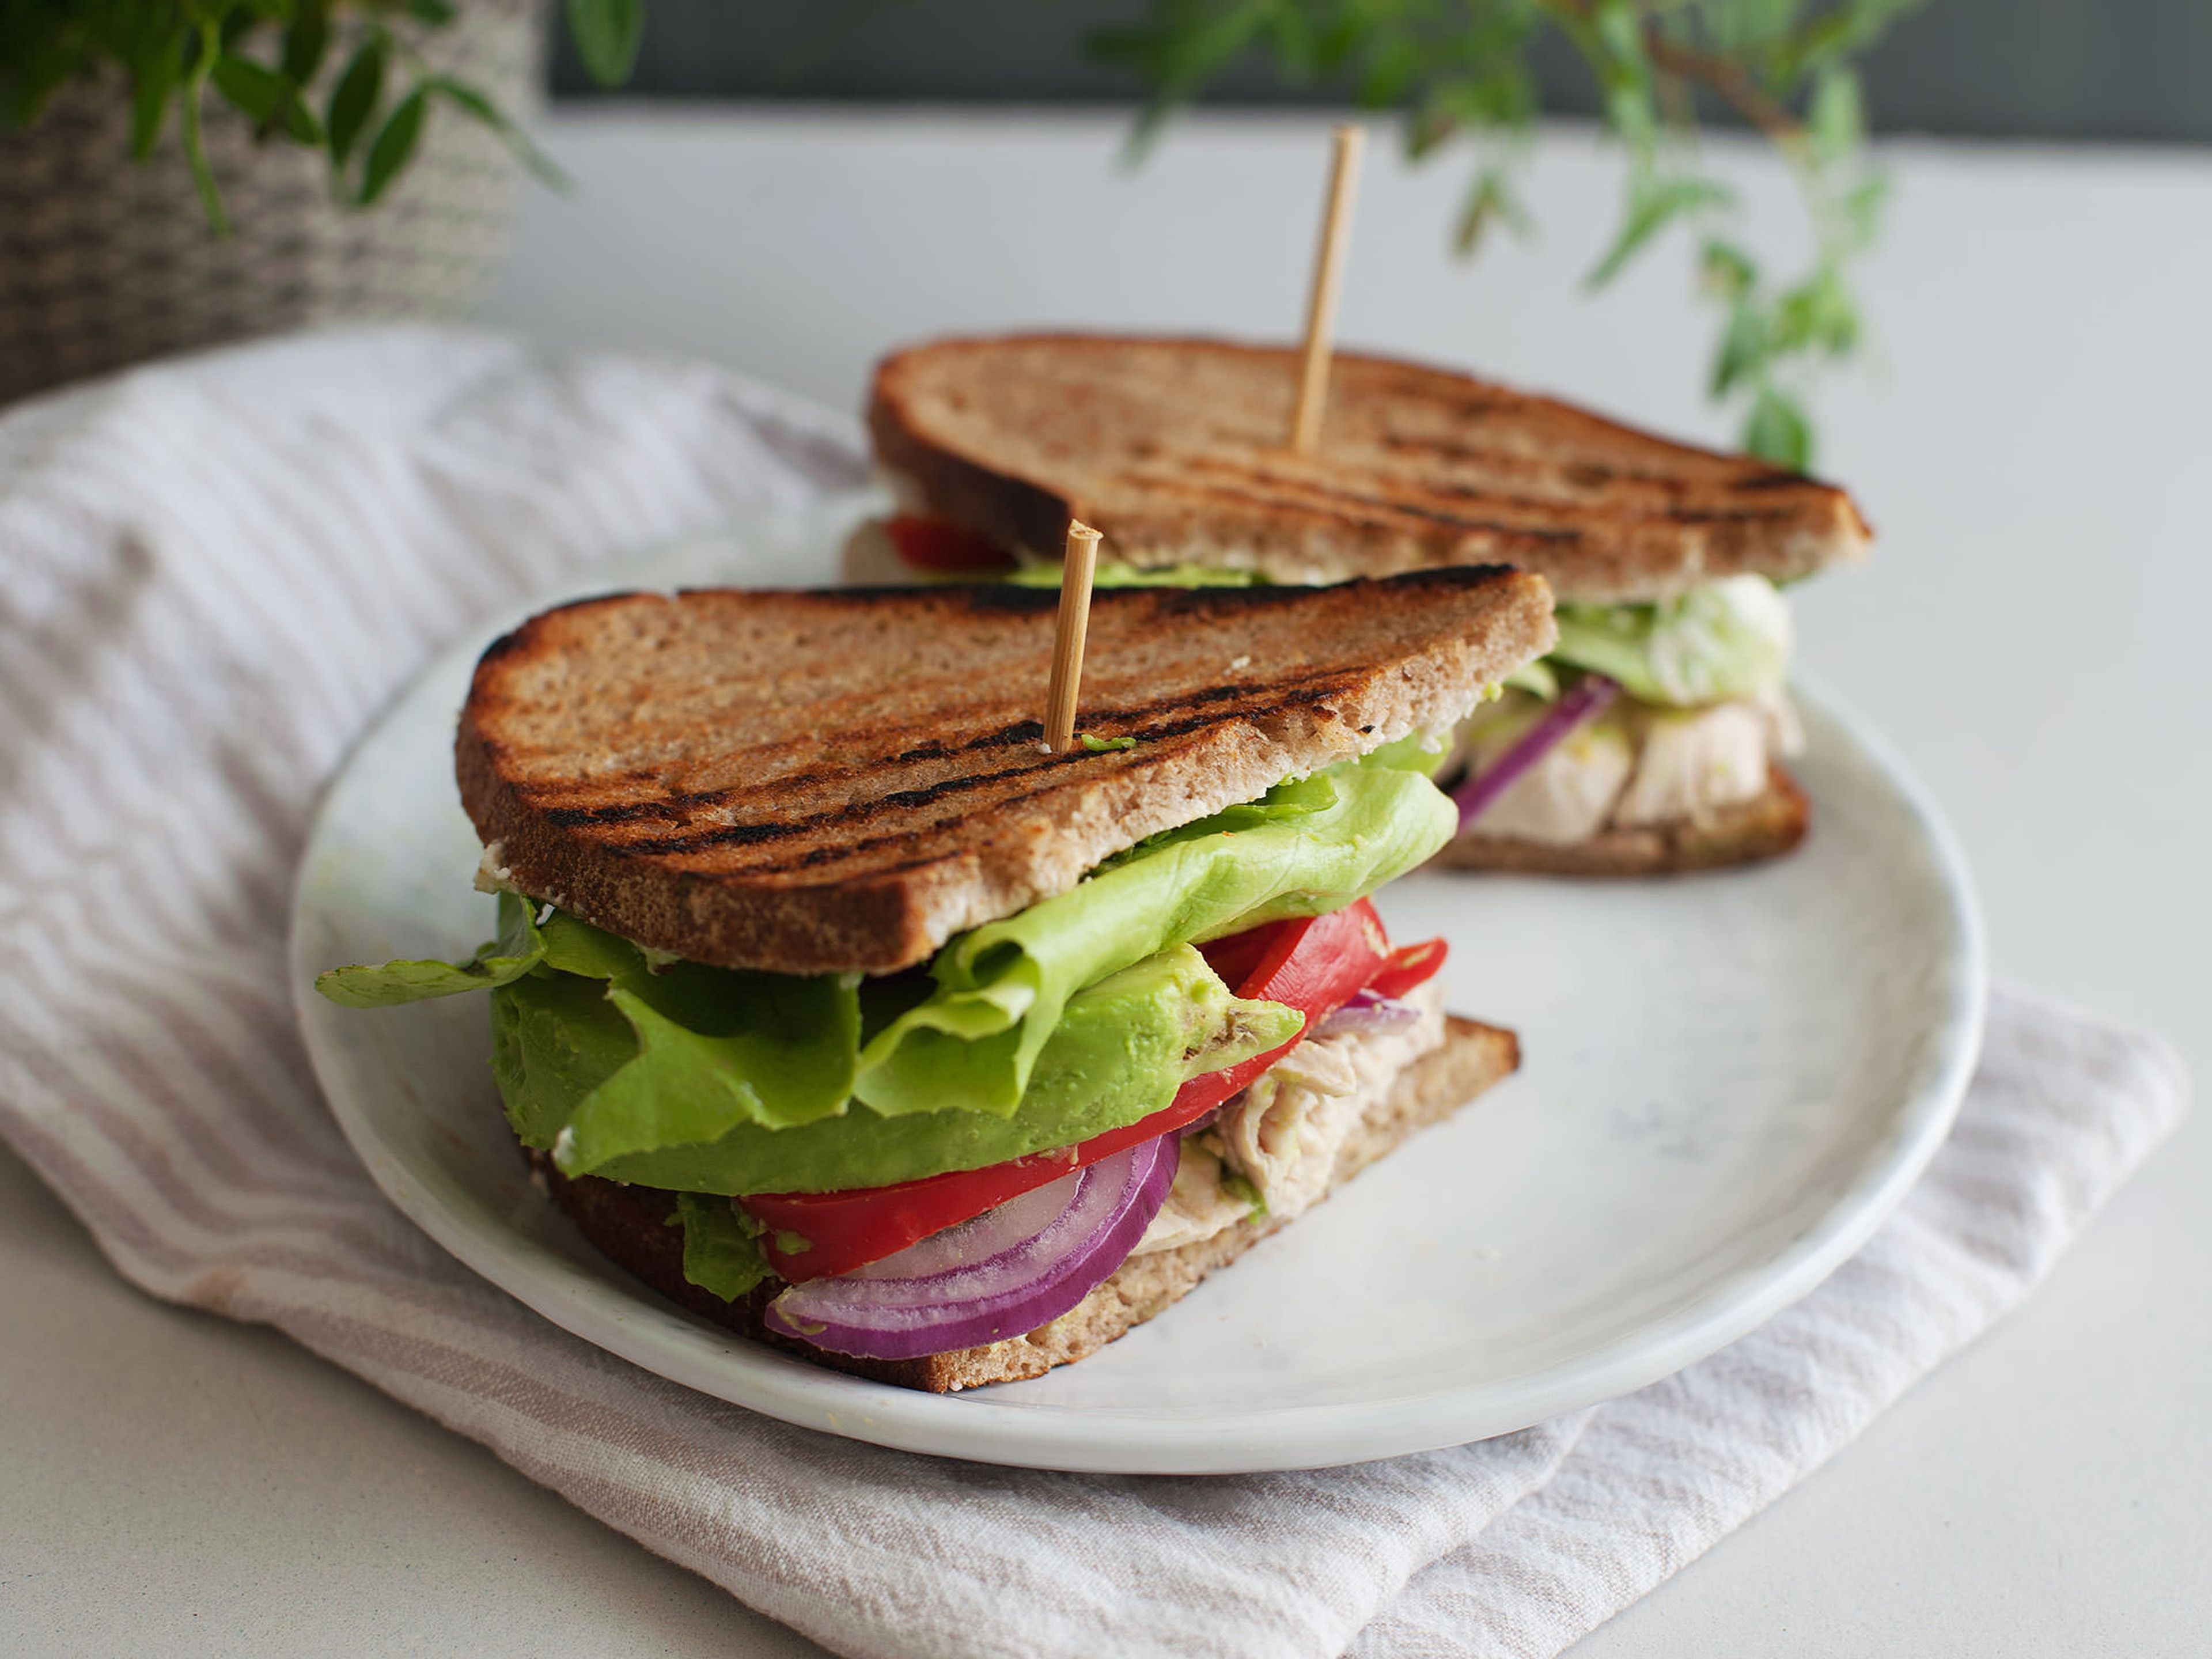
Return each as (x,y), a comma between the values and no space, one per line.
(570,817)
(819,857)
(1609,475)
(1139,720)
(1275,492)
(856,812)
(1383,501)
(906,799)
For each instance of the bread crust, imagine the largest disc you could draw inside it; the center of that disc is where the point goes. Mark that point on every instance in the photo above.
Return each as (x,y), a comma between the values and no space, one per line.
(1173,448)
(823,782)
(1766,826)
(634,1226)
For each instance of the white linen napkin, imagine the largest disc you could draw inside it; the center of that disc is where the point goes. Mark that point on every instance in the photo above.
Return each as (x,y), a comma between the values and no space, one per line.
(216,571)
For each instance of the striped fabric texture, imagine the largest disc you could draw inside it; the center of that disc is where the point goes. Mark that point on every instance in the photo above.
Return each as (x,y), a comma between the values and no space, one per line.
(216,571)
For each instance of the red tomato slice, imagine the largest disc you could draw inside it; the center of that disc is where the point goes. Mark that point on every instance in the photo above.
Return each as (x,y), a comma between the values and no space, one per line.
(1312,964)
(946,549)
(1409,965)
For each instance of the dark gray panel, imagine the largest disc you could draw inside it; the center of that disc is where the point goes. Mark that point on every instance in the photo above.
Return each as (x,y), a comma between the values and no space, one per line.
(2089,69)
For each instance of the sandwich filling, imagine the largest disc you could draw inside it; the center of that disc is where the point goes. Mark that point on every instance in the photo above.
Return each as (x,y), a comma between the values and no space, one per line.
(1683,711)
(1642,715)
(1275,1147)
(916,1163)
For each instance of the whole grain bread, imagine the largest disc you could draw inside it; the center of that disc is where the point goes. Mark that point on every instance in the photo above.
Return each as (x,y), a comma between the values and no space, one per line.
(635,1227)
(1175,448)
(1764,827)
(817,781)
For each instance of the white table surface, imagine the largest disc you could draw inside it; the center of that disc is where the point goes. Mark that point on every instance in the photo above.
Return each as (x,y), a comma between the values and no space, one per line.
(2034,636)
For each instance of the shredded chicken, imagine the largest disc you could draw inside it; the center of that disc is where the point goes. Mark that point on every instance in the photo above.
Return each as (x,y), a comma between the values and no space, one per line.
(1636,765)
(1205,1199)
(1568,795)
(1694,762)
(1274,1146)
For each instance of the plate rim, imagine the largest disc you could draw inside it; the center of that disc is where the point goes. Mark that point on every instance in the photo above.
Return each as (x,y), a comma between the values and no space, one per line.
(635,1324)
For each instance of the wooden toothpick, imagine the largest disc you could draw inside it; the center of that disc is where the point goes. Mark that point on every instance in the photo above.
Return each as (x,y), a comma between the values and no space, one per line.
(1075,575)
(1328,276)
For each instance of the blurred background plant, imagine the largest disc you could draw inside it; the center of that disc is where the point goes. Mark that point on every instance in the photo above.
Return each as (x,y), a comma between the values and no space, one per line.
(176,173)
(1464,72)
(277,61)
(235,98)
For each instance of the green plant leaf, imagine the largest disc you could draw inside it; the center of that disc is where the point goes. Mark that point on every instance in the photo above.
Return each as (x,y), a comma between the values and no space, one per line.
(1619,32)
(154,70)
(1862,208)
(436,13)
(1816,315)
(393,146)
(1836,34)
(607,33)
(267,96)
(1726,270)
(1490,201)
(1188,43)
(1652,207)
(1835,121)
(1776,430)
(1743,347)
(353,101)
(478,108)
(306,42)
(1631,112)
(253,88)
(1299,50)
(195,134)
(1390,73)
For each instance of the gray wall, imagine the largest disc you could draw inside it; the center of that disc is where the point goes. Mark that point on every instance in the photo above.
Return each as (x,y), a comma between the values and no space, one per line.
(2138,70)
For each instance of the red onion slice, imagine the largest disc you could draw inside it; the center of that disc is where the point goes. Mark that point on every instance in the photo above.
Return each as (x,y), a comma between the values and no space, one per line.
(1001,1274)
(1587,701)
(1370,1014)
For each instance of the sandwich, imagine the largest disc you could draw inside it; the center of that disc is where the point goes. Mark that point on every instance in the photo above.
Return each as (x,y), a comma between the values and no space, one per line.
(829,1004)
(1652,737)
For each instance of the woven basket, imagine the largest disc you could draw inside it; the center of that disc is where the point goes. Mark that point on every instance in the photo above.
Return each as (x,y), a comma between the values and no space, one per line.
(105,261)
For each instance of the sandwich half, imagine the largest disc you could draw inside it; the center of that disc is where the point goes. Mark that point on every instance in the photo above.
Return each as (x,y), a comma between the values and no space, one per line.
(1666,559)
(830,1005)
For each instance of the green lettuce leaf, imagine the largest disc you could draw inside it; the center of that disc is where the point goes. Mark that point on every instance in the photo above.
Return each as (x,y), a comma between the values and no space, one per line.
(555,1039)
(519,948)
(721,1253)
(716,1049)
(1536,678)
(1120,1052)
(1727,640)
(1305,848)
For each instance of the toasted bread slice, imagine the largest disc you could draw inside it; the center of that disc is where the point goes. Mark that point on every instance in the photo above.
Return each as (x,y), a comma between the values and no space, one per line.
(1764,827)
(1175,450)
(823,782)
(633,1225)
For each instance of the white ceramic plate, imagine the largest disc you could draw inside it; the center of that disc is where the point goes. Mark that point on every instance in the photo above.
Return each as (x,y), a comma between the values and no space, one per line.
(1729,1081)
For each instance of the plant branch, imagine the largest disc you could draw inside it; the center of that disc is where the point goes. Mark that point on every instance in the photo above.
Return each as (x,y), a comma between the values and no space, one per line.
(1727,80)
